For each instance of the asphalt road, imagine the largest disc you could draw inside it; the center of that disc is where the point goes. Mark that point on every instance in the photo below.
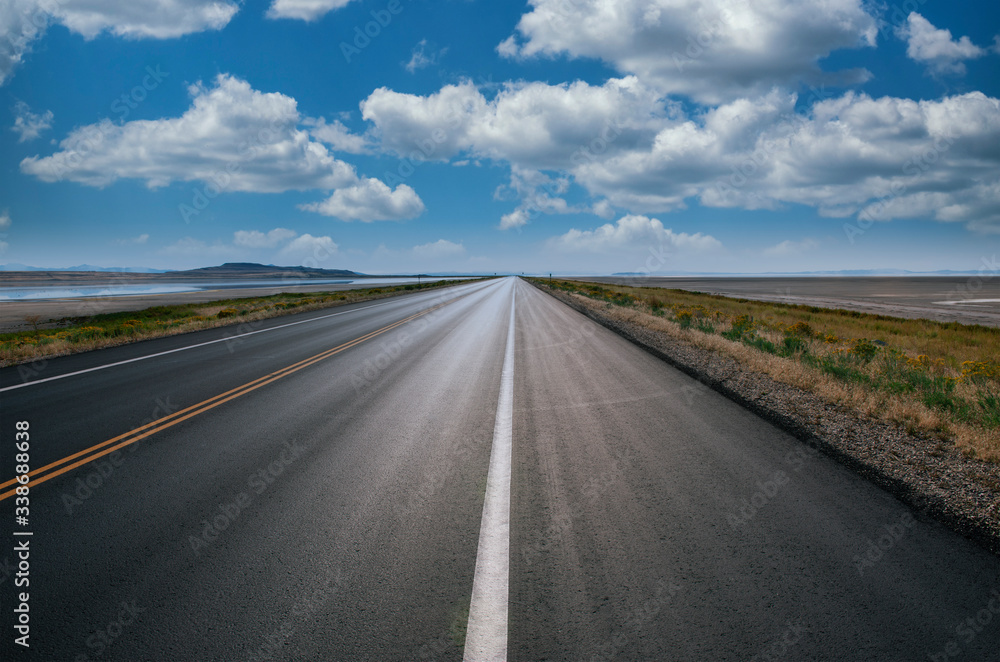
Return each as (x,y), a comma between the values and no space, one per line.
(314,491)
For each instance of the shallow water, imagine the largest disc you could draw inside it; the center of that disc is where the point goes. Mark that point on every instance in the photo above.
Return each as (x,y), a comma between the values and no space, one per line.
(63,291)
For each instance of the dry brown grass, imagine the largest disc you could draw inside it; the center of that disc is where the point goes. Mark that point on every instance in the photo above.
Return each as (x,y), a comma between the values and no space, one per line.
(834,357)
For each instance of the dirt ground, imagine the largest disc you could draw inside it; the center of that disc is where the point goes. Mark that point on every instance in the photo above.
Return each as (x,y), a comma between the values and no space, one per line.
(967,299)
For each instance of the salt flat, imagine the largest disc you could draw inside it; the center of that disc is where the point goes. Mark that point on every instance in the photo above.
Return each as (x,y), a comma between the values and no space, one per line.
(14,312)
(967,299)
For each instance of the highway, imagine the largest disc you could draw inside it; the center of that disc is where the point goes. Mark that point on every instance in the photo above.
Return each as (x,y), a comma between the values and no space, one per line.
(392,480)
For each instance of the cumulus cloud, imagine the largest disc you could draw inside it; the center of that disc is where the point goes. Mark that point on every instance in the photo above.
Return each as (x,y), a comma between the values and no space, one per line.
(258,239)
(304,10)
(422,56)
(634,151)
(536,192)
(307,246)
(630,233)
(515,219)
(603,209)
(290,245)
(370,200)
(789,247)
(233,138)
(711,51)
(886,158)
(23,21)
(29,125)
(439,249)
(136,19)
(537,125)
(936,48)
(337,136)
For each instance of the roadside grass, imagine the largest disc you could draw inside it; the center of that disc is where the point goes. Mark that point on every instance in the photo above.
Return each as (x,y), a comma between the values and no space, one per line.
(940,379)
(78,334)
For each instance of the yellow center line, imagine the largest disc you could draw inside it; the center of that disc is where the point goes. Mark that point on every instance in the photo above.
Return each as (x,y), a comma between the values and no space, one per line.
(144,431)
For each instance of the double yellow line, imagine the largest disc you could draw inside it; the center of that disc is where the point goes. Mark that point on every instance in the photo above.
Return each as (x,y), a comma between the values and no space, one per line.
(87,455)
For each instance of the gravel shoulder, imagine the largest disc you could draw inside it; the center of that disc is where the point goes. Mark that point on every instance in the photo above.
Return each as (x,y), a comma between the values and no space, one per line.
(931,476)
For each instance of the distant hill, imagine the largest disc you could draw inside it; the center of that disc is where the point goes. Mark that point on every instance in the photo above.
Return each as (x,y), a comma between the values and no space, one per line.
(13,266)
(254,270)
(18,273)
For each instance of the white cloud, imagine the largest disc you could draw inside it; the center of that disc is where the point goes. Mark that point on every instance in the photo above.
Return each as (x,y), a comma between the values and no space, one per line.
(233,136)
(5,223)
(711,50)
(936,48)
(246,244)
(308,246)
(133,241)
(337,136)
(909,158)
(641,154)
(896,157)
(29,125)
(515,219)
(537,193)
(439,249)
(136,19)
(604,209)
(633,232)
(370,200)
(258,239)
(789,247)
(536,125)
(304,10)
(23,21)
(421,57)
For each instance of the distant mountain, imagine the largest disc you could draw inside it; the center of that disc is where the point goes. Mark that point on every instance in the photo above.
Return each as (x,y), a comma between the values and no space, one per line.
(254,270)
(13,266)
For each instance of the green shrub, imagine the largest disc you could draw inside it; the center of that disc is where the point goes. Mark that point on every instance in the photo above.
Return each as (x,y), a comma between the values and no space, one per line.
(792,345)
(763,344)
(864,349)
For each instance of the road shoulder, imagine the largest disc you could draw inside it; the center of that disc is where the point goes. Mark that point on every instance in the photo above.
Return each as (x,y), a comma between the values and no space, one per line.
(933,478)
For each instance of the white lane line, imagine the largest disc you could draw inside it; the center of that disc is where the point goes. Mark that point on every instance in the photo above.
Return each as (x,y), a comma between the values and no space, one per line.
(182,349)
(486,636)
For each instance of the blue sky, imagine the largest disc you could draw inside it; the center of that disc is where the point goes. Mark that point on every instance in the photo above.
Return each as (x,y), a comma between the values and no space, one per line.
(573,136)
